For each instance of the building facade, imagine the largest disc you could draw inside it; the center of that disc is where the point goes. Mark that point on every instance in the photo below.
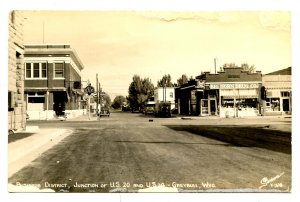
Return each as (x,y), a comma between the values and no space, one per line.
(229,93)
(16,103)
(165,94)
(52,81)
(189,96)
(278,87)
(233,92)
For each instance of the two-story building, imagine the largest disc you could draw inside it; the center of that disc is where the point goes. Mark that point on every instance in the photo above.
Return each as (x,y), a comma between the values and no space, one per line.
(52,81)
(165,94)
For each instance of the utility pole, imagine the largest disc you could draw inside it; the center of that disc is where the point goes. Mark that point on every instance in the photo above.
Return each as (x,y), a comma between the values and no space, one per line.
(97,99)
(215,60)
(99,94)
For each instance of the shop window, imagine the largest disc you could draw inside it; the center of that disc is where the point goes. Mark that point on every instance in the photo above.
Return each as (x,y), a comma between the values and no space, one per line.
(246,103)
(285,94)
(268,102)
(275,104)
(58,70)
(227,103)
(239,102)
(36,99)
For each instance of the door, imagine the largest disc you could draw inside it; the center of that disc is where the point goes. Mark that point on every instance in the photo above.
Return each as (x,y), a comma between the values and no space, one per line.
(212,107)
(204,107)
(285,105)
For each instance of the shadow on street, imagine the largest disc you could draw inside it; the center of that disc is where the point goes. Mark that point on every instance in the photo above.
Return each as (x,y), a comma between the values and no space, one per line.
(274,140)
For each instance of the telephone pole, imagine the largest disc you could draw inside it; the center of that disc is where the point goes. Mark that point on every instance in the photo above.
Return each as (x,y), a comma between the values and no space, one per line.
(97,92)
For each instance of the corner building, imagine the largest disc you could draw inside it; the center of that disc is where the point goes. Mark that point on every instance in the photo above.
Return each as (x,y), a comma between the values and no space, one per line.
(52,81)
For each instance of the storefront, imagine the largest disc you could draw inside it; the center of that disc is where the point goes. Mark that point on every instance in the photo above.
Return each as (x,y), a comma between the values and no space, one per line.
(278,86)
(233,93)
(189,98)
(233,99)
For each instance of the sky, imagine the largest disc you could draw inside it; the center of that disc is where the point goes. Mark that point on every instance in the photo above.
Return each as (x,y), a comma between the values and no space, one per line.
(119,44)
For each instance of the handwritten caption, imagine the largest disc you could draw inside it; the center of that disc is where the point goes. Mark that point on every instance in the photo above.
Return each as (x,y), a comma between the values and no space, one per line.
(124,185)
(271,182)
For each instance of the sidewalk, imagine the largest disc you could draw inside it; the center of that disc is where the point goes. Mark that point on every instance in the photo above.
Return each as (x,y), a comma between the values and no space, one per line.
(246,117)
(84,118)
(23,151)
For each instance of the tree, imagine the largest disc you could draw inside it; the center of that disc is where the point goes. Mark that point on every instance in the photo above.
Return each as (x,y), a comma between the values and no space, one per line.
(118,102)
(182,80)
(133,91)
(245,66)
(105,100)
(140,90)
(229,65)
(165,81)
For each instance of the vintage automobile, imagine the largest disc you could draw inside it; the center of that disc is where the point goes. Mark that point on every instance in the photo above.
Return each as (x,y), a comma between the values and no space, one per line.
(149,109)
(104,112)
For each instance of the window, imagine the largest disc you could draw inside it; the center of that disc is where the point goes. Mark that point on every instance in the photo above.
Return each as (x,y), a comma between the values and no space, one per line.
(28,70)
(171,95)
(275,104)
(285,94)
(35,70)
(58,70)
(44,70)
(36,99)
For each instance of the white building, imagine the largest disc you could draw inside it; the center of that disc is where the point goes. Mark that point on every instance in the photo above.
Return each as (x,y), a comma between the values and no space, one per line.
(165,94)
(278,87)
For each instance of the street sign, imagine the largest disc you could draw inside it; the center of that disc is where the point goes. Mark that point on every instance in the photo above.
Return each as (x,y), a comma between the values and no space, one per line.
(89,89)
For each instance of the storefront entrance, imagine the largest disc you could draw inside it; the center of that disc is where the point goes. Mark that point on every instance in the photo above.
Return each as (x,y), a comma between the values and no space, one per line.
(286,105)
(204,107)
(212,107)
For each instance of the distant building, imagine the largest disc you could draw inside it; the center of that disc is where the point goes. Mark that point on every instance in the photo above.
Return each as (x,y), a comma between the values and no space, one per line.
(16,104)
(165,94)
(278,86)
(52,81)
(189,96)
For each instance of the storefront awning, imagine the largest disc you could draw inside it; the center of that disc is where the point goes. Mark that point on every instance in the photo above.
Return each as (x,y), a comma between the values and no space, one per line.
(78,91)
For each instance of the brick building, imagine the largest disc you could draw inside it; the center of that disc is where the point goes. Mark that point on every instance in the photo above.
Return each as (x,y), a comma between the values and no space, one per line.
(16,104)
(234,92)
(229,93)
(52,81)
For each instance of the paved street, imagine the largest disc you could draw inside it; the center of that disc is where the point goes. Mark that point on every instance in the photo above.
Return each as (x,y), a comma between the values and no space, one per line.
(128,152)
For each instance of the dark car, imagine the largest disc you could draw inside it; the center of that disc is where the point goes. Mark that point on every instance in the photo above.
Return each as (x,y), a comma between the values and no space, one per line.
(104,112)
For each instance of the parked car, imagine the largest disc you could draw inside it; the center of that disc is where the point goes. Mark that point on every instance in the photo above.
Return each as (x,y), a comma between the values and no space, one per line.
(104,112)
(149,109)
